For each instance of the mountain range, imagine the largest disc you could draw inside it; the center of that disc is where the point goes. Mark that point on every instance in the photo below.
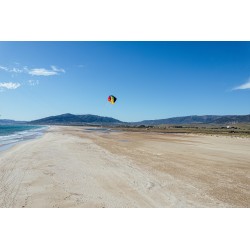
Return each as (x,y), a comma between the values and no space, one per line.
(70,119)
(195,119)
(10,122)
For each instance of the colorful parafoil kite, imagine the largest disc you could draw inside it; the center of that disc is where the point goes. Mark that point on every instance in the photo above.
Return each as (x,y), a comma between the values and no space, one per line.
(112,99)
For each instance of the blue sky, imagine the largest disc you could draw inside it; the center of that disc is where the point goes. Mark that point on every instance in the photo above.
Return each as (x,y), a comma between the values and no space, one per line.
(151,80)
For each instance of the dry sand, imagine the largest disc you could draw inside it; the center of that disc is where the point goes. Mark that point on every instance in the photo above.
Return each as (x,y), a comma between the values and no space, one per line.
(81,167)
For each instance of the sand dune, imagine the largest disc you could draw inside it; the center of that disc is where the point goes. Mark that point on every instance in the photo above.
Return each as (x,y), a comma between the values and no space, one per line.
(82,167)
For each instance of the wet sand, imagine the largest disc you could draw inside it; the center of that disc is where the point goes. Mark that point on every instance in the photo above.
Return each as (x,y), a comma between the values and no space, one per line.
(86,167)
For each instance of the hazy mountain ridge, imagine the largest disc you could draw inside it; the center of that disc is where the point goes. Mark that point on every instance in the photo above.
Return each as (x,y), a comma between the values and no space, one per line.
(70,119)
(234,119)
(76,119)
(205,119)
(10,122)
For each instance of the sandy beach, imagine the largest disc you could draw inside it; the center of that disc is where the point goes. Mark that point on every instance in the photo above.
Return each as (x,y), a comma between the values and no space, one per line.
(88,167)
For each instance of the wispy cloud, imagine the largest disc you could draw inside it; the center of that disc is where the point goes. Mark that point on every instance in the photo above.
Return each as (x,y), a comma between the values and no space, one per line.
(45,72)
(4,68)
(9,85)
(54,70)
(12,70)
(243,86)
(33,82)
(16,70)
(42,72)
(81,66)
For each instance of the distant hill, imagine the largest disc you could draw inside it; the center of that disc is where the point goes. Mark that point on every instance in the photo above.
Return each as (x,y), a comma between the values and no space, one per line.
(233,119)
(70,119)
(10,122)
(205,119)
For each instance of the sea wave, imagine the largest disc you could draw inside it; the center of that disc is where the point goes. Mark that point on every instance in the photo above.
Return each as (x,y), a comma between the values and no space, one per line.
(9,140)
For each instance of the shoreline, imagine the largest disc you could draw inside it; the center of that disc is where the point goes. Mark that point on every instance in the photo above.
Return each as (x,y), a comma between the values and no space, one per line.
(76,167)
(36,134)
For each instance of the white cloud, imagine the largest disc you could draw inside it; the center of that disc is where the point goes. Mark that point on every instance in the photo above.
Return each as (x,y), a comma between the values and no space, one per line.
(16,70)
(4,68)
(42,72)
(34,72)
(243,86)
(25,68)
(13,70)
(9,85)
(54,68)
(33,82)
(45,72)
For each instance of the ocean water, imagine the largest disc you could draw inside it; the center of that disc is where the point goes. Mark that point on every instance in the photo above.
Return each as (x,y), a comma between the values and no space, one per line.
(12,134)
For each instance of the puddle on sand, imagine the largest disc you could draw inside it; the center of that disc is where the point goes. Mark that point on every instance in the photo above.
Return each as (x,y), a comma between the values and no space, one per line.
(124,140)
(102,130)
